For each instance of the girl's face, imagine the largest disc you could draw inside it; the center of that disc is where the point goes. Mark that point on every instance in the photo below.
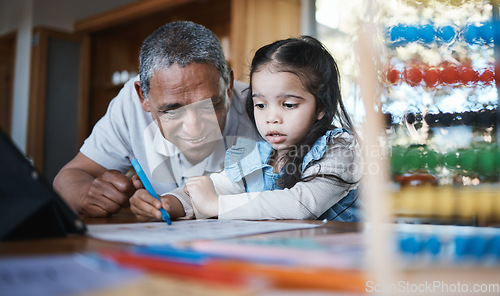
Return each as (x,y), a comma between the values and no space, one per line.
(284,110)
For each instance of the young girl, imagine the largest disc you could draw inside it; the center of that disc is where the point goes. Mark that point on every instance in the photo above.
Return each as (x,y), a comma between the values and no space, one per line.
(306,168)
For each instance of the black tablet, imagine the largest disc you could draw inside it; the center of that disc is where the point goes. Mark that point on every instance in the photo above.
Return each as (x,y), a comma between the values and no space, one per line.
(29,207)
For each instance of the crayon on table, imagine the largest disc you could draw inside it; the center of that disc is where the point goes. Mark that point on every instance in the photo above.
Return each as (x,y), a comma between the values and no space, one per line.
(149,188)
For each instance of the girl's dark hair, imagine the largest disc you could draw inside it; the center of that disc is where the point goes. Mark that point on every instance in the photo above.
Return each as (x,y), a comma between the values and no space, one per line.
(307,58)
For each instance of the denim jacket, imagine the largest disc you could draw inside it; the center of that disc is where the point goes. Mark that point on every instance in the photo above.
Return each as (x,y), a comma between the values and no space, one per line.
(257,175)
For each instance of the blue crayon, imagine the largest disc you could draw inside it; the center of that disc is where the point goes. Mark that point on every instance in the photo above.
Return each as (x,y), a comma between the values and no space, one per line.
(149,188)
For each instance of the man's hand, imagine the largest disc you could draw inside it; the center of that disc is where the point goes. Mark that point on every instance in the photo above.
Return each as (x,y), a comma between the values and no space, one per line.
(202,192)
(107,194)
(92,190)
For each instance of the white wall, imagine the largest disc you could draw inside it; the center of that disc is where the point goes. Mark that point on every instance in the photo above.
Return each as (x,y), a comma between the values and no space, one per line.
(10,14)
(22,73)
(57,14)
(21,16)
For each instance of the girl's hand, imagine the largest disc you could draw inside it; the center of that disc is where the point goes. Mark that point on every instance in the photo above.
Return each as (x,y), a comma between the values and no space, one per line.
(202,192)
(147,208)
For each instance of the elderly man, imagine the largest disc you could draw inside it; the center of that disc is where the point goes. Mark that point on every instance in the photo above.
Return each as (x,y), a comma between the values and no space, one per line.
(177,121)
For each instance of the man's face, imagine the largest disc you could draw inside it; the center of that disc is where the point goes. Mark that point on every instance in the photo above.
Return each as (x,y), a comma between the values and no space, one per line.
(190,106)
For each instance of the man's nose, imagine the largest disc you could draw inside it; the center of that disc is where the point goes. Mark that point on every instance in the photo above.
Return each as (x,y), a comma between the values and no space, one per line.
(193,123)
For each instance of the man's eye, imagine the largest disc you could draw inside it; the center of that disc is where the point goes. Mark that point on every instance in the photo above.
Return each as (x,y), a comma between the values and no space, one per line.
(175,113)
(260,106)
(219,103)
(290,105)
(207,107)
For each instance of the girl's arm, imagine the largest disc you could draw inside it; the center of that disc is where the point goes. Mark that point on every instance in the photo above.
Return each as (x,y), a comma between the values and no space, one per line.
(199,197)
(305,200)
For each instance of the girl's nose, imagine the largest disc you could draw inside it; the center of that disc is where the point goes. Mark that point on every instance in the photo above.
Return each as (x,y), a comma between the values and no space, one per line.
(273,118)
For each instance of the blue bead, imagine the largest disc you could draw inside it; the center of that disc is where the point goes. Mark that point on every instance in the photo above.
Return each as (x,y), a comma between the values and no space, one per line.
(395,33)
(426,33)
(410,245)
(486,32)
(433,245)
(470,34)
(495,246)
(478,246)
(411,33)
(462,246)
(496,31)
(446,33)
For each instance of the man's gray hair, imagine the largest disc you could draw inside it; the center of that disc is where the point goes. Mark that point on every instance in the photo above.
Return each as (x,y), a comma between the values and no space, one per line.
(180,43)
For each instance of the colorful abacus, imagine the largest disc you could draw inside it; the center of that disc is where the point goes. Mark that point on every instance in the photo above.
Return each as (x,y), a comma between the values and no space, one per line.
(444,74)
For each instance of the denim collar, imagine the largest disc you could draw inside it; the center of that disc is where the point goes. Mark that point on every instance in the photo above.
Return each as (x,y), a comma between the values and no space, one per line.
(247,156)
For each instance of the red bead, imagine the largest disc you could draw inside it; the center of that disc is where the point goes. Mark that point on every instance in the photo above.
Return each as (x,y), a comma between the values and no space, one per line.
(393,76)
(487,76)
(431,77)
(467,75)
(413,76)
(497,77)
(449,75)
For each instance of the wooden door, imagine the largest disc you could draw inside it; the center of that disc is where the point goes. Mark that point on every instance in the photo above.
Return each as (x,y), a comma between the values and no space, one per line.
(57,107)
(7,59)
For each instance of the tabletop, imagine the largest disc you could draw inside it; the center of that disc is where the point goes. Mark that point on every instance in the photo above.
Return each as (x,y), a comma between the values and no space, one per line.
(73,243)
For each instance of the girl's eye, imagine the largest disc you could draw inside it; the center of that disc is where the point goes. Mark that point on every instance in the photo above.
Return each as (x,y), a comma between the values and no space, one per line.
(260,106)
(290,105)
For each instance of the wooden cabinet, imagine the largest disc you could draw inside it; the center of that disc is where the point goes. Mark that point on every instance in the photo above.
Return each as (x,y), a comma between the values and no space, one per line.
(255,23)
(7,58)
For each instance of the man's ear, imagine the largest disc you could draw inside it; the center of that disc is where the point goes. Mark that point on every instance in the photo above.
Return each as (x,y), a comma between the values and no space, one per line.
(230,90)
(144,102)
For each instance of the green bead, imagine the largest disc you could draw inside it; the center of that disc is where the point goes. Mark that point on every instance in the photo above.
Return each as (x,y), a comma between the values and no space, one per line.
(451,159)
(486,162)
(414,159)
(397,160)
(467,159)
(432,159)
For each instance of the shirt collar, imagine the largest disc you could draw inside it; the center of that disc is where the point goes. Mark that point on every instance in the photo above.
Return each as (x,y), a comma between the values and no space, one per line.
(213,163)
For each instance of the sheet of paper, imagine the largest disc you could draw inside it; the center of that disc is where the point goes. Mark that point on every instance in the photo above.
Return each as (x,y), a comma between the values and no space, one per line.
(60,275)
(160,233)
(342,250)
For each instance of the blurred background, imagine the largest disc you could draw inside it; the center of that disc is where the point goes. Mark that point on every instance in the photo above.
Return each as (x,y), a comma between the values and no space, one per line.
(428,121)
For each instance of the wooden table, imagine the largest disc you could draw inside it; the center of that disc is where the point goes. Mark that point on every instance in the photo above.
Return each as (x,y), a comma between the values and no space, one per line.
(161,285)
(81,243)
(154,284)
